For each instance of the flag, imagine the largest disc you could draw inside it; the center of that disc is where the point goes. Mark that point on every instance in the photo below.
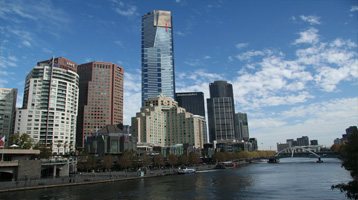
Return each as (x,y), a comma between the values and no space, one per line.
(103,137)
(2,142)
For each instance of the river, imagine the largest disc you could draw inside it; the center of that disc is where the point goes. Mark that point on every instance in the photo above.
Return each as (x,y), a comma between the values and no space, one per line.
(292,178)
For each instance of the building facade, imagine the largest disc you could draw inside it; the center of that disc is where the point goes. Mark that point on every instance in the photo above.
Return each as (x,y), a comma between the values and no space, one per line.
(101,98)
(7,111)
(221,112)
(158,75)
(242,126)
(162,122)
(193,102)
(50,103)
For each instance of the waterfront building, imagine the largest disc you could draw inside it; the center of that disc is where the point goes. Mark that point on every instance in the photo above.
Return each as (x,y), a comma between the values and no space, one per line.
(162,122)
(221,112)
(50,102)
(303,141)
(7,111)
(101,98)
(110,140)
(158,71)
(193,102)
(314,142)
(242,126)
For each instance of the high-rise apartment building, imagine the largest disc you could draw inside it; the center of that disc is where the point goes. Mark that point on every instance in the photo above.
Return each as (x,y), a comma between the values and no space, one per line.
(242,126)
(7,111)
(221,112)
(162,122)
(49,110)
(101,98)
(158,76)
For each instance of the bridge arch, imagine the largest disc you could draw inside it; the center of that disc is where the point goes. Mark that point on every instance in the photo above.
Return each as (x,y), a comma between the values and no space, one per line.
(293,150)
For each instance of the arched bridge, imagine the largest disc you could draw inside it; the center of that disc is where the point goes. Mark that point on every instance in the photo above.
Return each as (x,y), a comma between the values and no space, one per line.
(300,151)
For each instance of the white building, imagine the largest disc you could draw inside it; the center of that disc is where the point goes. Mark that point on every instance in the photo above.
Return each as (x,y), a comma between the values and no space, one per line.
(49,111)
(161,122)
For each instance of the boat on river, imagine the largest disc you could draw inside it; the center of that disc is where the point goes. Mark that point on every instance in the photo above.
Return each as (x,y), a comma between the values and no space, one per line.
(273,160)
(186,171)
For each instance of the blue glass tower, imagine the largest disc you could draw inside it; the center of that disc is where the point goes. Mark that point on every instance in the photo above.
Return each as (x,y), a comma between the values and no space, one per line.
(157,55)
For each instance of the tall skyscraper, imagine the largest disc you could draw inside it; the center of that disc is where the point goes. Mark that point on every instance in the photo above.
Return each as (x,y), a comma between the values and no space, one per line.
(158,75)
(49,110)
(192,101)
(7,111)
(242,126)
(221,112)
(101,98)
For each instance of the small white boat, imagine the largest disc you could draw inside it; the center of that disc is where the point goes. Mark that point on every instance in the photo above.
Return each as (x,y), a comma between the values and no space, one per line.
(186,171)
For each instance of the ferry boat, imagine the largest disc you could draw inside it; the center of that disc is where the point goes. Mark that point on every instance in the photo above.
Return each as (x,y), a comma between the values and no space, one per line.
(186,171)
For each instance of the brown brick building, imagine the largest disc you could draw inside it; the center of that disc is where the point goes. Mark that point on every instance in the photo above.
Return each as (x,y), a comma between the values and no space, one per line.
(101,98)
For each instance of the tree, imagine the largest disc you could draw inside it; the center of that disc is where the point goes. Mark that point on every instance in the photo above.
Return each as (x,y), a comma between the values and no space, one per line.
(87,162)
(44,151)
(172,159)
(194,158)
(127,159)
(335,147)
(24,141)
(107,162)
(219,157)
(183,159)
(158,160)
(145,160)
(350,163)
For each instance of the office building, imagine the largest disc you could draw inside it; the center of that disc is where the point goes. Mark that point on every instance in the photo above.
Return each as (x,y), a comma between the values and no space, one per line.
(7,111)
(158,75)
(193,102)
(242,126)
(303,141)
(50,103)
(101,98)
(162,122)
(221,112)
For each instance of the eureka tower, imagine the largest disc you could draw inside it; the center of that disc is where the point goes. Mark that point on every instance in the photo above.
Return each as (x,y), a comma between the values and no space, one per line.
(157,55)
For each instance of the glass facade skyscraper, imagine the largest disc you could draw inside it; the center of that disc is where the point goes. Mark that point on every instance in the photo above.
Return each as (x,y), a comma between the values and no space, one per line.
(221,112)
(242,126)
(157,55)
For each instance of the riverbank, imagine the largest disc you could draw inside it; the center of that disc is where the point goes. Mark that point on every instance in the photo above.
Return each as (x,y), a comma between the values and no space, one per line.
(95,178)
(89,178)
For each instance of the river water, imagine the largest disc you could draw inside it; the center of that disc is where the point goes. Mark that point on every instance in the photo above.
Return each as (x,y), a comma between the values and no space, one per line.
(292,178)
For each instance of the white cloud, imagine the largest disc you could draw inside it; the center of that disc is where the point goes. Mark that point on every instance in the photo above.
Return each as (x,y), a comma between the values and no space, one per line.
(26,43)
(119,43)
(312,19)
(126,9)
(249,54)
(207,57)
(354,8)
(194,62)
(310,36)
(241,45)
(132,96)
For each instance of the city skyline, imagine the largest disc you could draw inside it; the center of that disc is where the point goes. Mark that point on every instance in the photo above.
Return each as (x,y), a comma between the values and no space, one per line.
(293,72)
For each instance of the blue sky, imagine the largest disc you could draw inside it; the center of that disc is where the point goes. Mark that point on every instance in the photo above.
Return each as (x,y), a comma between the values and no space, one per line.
(293,64)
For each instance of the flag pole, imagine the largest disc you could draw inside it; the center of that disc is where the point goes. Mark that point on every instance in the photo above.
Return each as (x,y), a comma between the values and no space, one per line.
(3,149)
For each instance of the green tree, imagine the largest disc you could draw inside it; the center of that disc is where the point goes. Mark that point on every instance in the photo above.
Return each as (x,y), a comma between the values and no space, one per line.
(145,160)
(173,160)
(350,163)
(24,141)
(219,157)
(107,162)
(44,151)
(183,159)
(194,158)
(158,160)
(125,161)
(87,162)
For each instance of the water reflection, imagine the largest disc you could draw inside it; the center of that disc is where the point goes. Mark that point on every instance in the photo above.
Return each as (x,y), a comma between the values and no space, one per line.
(292,178)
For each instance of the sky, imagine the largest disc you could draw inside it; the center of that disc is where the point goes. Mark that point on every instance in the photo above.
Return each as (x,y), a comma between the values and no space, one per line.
(293,64)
